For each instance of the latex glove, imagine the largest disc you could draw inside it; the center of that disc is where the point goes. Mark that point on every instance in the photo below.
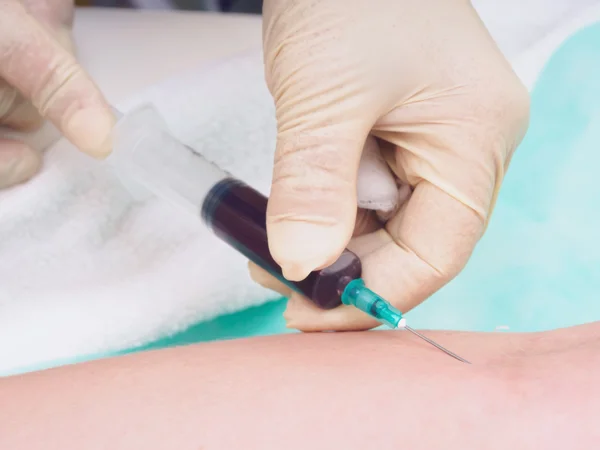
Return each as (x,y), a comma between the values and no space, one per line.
(40,78)
(425,77)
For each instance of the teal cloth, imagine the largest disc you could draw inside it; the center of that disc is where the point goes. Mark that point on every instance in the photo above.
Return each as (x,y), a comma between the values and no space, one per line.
(538,266)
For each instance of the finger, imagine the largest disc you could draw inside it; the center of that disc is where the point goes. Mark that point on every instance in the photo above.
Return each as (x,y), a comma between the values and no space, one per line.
(37,65)
(312,206)
(324,115)
(301,314)
(366,223)
(425,245)
(15,111)
(18,162)
(305,316)
(431,240)
(57,14)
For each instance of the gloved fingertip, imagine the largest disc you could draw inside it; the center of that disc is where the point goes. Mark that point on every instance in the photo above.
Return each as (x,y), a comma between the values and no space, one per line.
(295,272)
(299,314)
(300,247)
(89,129)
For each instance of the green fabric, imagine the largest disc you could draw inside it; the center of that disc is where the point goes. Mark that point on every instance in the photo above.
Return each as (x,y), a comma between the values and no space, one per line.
(538,266)
(257,321)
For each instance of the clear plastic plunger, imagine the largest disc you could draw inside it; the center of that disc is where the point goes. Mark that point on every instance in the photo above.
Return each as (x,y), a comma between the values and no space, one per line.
(145,152)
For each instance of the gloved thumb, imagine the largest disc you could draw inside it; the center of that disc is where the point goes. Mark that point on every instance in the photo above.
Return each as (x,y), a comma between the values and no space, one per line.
(44,72)
(312,206)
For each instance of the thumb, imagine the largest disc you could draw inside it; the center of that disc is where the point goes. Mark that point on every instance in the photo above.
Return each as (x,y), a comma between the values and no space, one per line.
(312,205)
(37,65)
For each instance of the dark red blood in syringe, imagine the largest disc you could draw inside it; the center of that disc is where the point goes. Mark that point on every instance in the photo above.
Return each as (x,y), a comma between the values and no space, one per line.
(237,214)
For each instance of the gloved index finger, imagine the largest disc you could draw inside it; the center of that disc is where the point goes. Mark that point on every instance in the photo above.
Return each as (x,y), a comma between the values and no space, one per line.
(37,65)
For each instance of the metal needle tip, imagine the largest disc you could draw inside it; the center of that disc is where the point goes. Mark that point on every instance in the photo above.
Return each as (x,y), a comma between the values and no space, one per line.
(436,345)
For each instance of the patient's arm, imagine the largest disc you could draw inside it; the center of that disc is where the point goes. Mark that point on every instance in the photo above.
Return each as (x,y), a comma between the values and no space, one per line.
(373,390)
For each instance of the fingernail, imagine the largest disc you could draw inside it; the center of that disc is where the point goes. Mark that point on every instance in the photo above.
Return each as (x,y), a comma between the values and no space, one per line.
(300,247)
(90,130)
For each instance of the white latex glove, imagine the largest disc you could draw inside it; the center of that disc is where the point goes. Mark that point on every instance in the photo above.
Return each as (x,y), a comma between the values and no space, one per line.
(426,78)
(40,78)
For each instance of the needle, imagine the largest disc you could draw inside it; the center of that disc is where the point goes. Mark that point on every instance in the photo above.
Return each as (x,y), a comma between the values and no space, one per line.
(435,344)
(357,294)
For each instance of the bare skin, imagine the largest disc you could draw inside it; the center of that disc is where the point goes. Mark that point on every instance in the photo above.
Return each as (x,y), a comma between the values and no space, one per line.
(384,390)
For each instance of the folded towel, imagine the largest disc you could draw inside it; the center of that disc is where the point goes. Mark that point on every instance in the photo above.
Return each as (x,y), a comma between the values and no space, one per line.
(84,269)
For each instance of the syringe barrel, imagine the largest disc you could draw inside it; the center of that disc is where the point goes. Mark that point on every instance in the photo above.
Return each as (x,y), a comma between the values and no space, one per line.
(237,214)
(146,153)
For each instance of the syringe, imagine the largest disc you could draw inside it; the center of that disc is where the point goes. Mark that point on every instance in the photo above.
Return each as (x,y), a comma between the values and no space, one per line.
(145,152)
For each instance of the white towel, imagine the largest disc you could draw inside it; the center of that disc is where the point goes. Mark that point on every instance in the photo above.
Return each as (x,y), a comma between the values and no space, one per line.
(85,270)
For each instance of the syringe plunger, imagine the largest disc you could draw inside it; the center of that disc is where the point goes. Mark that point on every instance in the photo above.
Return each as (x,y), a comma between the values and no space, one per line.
(145,151)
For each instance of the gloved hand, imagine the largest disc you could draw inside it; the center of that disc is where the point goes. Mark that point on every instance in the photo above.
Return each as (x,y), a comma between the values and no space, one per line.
(426,79)
(40,78)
